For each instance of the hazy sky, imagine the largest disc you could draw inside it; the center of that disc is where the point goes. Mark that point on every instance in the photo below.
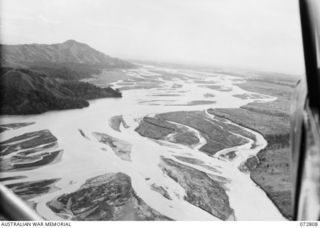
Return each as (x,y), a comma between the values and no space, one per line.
(260,34)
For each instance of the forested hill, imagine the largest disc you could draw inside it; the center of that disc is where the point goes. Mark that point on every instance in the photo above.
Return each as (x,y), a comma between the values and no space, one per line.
(23,91)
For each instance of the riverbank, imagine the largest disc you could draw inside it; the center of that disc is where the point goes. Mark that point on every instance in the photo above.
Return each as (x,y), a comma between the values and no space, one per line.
(270,169)
(29,150)
(103,198)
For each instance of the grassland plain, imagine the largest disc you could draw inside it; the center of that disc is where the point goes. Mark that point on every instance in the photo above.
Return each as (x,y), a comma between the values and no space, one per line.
(217,137)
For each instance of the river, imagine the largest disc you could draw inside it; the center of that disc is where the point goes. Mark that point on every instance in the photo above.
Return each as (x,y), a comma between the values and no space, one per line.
(149,90)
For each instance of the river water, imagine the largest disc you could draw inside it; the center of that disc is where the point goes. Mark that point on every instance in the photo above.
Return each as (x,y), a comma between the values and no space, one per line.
(148,90)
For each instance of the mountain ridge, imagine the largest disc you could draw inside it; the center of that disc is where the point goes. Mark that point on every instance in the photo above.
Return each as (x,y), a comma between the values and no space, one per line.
(68,60)
(70,51)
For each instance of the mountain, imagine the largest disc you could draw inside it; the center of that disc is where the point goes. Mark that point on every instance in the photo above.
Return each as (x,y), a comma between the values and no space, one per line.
(68,60)
(23,91)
